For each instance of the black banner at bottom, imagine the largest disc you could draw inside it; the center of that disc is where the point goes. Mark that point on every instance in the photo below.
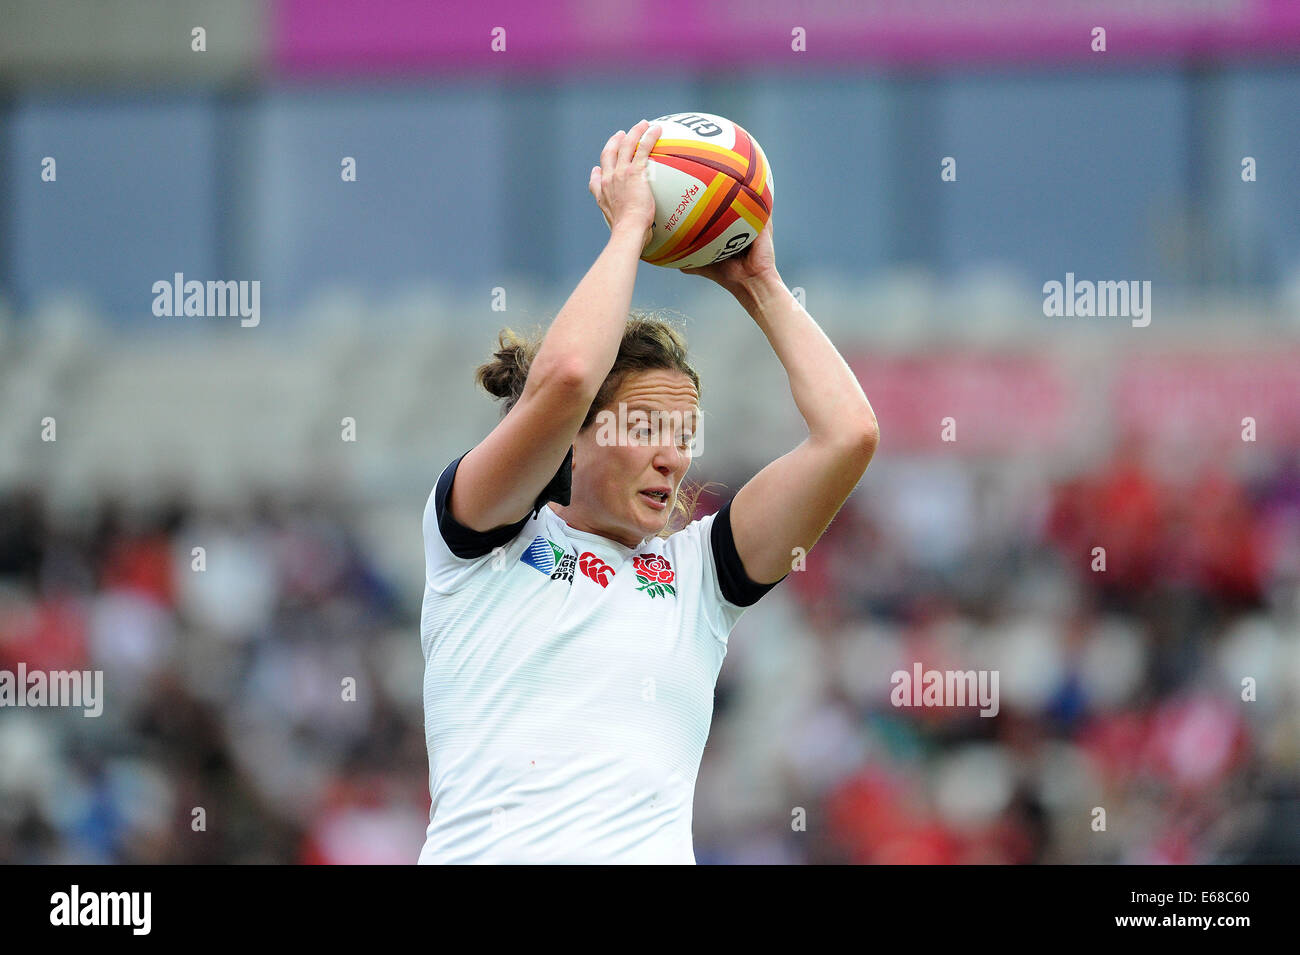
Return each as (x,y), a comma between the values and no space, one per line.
(230,905)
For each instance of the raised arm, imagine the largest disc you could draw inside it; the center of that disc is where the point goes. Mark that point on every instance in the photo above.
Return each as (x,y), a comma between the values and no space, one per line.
(499,479)
(791,501)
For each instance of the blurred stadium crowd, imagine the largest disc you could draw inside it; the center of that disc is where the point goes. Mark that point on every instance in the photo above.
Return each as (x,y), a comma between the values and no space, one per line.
(1119,689)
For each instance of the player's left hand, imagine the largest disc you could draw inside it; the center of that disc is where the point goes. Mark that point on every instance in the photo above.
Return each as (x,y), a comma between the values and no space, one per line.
(756,262)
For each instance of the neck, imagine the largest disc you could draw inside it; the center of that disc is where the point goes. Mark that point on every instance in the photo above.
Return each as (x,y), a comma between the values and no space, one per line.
(579,523)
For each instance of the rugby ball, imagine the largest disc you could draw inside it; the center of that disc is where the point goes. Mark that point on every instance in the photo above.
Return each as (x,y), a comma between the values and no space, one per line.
(712,187)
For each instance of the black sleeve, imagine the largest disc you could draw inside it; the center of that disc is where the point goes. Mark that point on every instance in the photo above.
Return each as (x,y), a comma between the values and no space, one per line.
(735,583)
(467,543)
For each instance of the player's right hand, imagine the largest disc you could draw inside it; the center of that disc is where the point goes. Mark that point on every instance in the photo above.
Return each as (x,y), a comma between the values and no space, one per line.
(619,183)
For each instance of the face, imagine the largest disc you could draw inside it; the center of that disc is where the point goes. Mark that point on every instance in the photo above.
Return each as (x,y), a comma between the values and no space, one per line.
(640,443)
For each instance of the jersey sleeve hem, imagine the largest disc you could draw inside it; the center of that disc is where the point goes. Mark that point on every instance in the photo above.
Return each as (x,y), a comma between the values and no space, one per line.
(736,586)
(462,541)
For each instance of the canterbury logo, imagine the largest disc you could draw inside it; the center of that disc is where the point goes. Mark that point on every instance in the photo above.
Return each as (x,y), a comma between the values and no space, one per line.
(595,568)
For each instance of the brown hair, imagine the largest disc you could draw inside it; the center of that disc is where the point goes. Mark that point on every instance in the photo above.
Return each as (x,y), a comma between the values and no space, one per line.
(650,341)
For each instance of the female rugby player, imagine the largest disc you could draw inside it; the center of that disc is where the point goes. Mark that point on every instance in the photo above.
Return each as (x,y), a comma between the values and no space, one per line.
(571,642)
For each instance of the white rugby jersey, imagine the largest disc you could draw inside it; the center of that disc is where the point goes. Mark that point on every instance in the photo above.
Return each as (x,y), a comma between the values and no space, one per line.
(568,685)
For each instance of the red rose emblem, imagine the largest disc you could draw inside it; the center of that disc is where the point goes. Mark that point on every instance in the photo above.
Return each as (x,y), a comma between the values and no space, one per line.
(653,568)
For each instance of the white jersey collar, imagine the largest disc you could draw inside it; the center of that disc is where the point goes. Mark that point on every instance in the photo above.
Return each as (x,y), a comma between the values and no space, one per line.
(594,539)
